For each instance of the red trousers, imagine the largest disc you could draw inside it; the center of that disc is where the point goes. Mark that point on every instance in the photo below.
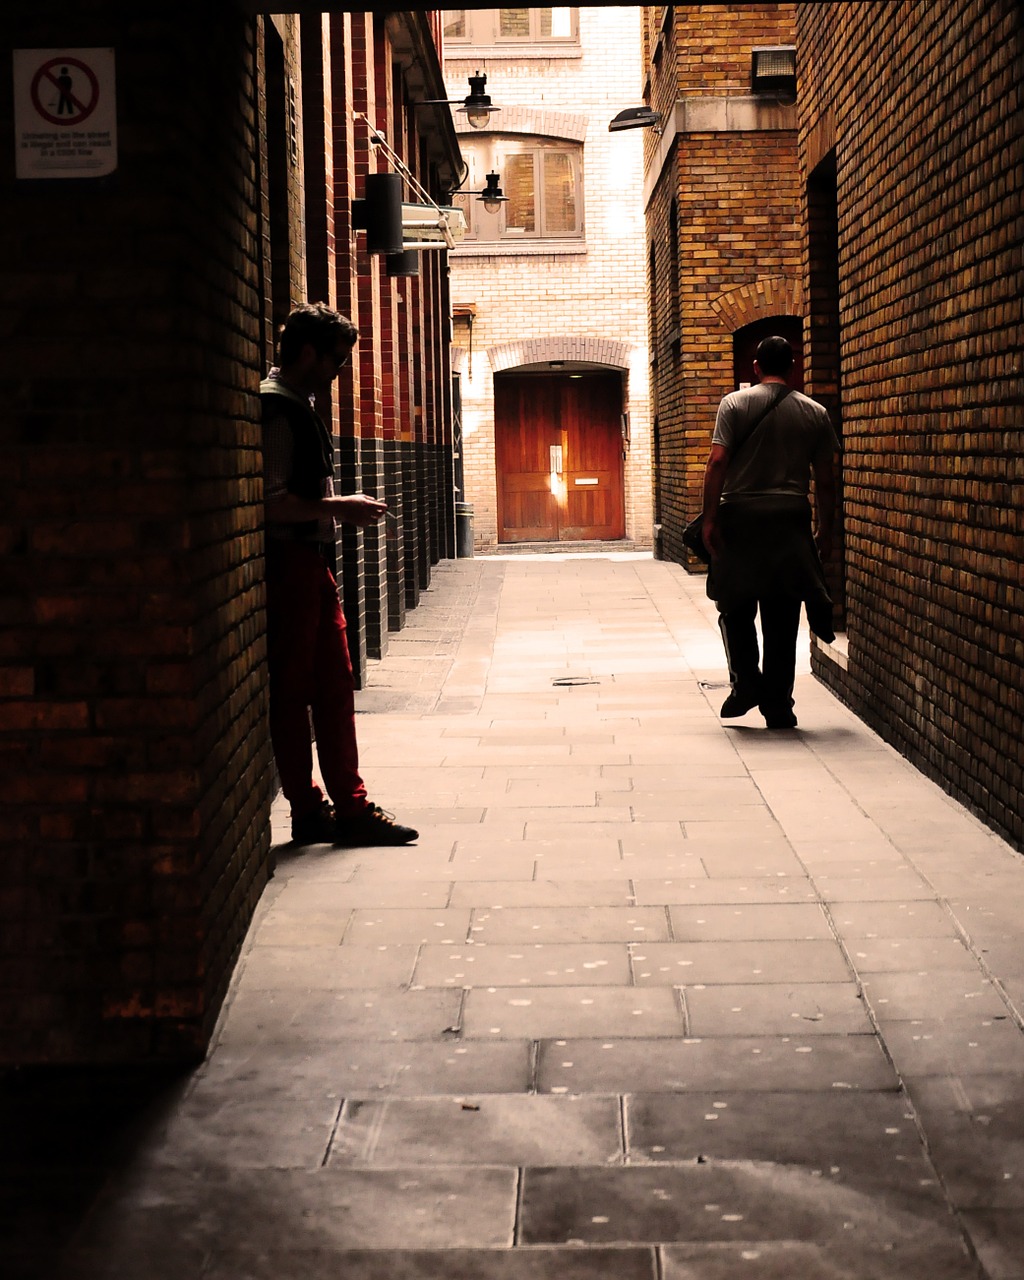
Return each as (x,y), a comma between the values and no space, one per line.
(310,671)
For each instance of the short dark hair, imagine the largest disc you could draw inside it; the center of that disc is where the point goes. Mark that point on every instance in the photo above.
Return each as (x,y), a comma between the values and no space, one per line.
(774,356)
(315,324)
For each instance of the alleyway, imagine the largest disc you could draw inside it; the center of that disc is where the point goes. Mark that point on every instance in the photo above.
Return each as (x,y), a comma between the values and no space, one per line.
(653,998)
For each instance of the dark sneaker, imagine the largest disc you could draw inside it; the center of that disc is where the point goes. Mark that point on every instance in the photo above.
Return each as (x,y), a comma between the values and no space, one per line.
(372,827)
(738,704)
(316,827)
(779,719)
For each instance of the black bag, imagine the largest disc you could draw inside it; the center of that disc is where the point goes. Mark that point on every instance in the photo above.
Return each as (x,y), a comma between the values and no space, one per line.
(693,535)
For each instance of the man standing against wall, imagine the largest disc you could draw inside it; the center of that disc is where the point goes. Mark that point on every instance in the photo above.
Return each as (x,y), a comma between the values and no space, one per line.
(308,658)
(757,528)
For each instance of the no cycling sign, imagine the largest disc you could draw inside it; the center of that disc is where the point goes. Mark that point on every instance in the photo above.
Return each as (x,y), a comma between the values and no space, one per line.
(65,113)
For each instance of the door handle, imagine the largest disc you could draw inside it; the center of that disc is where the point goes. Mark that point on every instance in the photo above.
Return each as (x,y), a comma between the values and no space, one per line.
(556,459)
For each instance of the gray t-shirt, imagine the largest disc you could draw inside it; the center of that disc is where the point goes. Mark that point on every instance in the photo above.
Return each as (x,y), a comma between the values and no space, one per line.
(785,446)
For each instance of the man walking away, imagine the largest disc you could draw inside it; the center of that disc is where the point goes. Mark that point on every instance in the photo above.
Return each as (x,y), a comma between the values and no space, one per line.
(757,527)
(308,657)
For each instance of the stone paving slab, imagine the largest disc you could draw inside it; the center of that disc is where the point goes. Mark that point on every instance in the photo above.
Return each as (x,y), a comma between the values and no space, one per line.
(569,924)
(543,1013)
(882,887)
(531,964)
(790,1259)
(157,1210)
(866,1138)
(323,1017)
(450,1066)
(975,1127)
(757,1063)
(737,963)
(518,865)
(224,1128)
(940,994)
(298,928)
(971,1044)
(613,892)
(646,865)
(729,1201)
(301,896)
(897,920)
(800,1008)
(486,1130)
(910,955)
(754,922)
(736,858)
(336,968)
(684,891)
(452,1264)
(376,926)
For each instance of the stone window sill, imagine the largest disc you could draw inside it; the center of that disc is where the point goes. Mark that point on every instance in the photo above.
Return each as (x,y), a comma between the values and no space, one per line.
(512,249)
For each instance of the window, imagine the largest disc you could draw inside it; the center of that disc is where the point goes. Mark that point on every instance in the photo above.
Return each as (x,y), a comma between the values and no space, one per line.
(455,26)
(489,27)
(535,24)
(542,180)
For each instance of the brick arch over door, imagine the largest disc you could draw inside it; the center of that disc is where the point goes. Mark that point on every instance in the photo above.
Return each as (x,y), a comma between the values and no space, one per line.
(768,296)
(511,355)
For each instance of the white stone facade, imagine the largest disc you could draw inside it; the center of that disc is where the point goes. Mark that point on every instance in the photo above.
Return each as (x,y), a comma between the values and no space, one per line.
(582,302)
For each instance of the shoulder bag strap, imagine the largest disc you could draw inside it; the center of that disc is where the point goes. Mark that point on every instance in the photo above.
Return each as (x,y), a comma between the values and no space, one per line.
(759,419)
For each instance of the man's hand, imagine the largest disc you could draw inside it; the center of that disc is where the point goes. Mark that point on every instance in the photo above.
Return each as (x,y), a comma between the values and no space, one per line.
(358,509)
(712,536)
(714,479)
(823,541)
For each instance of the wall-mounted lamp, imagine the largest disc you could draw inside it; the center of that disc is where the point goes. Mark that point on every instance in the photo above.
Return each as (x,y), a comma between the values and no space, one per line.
(492,197)
(636,118)
(477,106)
(773,70)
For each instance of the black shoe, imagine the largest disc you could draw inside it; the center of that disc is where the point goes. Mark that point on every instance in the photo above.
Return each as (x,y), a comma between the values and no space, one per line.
(317,827)
(779,719)
(738,704)
(373,827)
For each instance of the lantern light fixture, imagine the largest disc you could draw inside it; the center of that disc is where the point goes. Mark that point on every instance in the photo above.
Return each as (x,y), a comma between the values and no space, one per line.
(476,106)
(492,197)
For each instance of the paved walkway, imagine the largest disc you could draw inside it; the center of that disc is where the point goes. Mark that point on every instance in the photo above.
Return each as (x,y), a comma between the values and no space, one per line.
(653,998)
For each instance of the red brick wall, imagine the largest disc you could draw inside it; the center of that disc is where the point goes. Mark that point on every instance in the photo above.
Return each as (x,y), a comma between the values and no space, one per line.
(923,104)
(136,770)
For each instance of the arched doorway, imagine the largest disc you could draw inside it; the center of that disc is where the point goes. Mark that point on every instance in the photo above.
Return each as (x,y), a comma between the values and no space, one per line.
(559,456)
(745,342)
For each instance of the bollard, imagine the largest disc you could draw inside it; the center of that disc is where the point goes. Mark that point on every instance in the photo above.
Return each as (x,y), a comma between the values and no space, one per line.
(464,530)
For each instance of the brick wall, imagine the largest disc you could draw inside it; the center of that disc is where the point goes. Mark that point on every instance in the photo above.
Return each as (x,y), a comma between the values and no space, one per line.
(595,293)
(136,782)
(723,225)
(394,409)
(931,375)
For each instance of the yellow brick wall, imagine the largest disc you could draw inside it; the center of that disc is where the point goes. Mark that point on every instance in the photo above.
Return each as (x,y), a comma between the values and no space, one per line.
(723,227)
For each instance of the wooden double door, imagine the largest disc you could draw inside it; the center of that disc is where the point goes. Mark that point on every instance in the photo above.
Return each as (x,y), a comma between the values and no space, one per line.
(558,454)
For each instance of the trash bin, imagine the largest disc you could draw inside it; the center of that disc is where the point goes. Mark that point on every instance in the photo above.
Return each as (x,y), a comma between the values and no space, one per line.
(464,530)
